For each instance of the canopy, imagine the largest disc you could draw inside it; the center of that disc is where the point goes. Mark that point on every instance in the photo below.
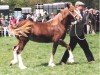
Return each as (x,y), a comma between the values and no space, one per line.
(4,7)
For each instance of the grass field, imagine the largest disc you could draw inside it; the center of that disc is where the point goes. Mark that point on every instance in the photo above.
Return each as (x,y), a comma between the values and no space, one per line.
(36,57)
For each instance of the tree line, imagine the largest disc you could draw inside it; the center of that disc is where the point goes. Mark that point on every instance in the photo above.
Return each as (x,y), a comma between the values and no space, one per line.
(30,3)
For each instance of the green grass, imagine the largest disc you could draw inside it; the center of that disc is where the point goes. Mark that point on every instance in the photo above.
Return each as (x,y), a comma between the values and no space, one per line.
(36,57)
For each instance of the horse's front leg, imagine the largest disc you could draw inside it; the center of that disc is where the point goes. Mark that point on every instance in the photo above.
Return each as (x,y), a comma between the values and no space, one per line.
(71,57)
(51,62)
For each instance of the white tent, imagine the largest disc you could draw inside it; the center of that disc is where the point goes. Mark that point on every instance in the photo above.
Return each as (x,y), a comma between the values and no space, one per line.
(4,7)
(26,9)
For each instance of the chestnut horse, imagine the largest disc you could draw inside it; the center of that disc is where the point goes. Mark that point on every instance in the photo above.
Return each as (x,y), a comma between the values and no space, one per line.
(53,31)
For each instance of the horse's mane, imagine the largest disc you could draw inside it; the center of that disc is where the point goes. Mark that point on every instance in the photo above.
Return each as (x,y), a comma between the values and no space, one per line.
(59,15)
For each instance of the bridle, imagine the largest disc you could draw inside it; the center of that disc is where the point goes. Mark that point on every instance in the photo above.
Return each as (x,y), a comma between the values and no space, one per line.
(74,16)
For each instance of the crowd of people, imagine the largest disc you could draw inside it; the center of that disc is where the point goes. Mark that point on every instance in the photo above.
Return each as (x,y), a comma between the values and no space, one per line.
(13,21)
(91,23)
(92,20)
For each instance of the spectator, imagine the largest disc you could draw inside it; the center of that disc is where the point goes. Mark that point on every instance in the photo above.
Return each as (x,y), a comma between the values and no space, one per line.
(5,24)
(45,17)
(12,21)
(40,18)
(91,17)
(1,29)
(97,20)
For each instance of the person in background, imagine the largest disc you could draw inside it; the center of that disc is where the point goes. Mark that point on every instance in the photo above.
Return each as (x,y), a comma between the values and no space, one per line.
(5,24)
(97,21)
(77,36)
(45,17)
(1,28)
(40,18)
(92,19)
(12,21)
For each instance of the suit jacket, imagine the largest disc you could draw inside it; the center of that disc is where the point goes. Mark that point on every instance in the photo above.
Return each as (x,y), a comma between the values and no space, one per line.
(78,28)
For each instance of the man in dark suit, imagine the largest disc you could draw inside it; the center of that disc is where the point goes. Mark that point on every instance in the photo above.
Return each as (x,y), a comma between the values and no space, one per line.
(77,36)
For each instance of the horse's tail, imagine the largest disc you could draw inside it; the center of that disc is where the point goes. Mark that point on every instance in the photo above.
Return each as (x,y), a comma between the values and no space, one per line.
(21,29)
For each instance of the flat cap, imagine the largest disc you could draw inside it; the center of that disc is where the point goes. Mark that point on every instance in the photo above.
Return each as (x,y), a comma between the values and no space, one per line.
(79,3)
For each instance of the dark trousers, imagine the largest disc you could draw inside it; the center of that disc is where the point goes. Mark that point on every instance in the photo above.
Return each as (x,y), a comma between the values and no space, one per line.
(83,44)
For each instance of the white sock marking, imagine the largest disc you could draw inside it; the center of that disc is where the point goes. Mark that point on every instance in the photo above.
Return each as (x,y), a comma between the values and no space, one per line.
(71,57)
(21,65)
(51,62)
(15,59)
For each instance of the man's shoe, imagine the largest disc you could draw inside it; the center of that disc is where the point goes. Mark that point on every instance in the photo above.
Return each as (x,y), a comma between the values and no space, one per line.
(90,62)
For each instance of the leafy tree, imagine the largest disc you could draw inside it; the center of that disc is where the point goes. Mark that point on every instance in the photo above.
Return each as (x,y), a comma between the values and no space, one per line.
(88,3)
(12,3)
(73,1)
(31,3)
(91,3)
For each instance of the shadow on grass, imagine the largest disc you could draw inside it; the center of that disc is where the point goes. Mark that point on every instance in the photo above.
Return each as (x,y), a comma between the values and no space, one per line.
(42,64)
(57,64)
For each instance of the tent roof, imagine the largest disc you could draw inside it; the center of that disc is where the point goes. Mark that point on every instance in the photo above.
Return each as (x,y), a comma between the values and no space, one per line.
(4,7)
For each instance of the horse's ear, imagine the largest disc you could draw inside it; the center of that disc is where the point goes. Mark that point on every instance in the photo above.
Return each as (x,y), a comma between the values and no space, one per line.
(68,4)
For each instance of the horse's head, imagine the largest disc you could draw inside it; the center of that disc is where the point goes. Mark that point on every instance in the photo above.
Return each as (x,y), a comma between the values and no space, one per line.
(70,9)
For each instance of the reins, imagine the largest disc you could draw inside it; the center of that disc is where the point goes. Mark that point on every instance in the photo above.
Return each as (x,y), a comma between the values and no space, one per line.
(75,26)
(77,35)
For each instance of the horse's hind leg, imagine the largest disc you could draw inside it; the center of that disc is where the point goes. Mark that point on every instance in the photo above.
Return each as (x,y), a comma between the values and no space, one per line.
(71,57)
(17,54)
(15,59)
(21,65)
(21,46)
(51,62)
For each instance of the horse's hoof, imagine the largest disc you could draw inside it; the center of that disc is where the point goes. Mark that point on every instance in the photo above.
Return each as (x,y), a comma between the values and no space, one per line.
(13,62)
(22,67)
(51,64)
(70,60)
(90,62)
(10,64)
